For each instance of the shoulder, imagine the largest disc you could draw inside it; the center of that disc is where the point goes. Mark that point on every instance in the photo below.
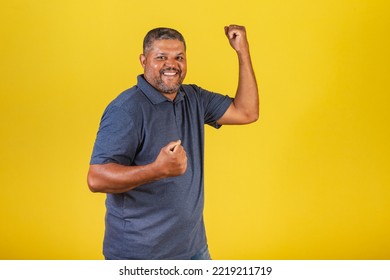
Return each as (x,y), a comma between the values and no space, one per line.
(128,98)
(193,88)
(206,96)
(195,92)
(129,101)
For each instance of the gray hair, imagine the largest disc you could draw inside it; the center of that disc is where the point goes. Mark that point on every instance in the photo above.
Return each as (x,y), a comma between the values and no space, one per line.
(161,33)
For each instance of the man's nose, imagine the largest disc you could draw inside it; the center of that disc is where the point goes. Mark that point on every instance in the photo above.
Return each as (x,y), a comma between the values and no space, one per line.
(170,62)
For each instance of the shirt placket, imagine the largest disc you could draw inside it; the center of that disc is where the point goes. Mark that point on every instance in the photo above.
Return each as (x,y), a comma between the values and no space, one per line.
(178,117)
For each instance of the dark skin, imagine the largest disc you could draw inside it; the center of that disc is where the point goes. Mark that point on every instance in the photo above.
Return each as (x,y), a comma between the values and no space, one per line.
(165,68)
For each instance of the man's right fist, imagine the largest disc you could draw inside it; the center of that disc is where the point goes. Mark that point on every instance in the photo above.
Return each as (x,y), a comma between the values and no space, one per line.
(172,160)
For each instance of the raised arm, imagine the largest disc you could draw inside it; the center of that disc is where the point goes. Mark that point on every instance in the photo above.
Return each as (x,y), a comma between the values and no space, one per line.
(116,178)
(245,107)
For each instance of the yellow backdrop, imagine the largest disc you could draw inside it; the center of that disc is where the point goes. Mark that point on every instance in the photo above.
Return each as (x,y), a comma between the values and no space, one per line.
(310,180)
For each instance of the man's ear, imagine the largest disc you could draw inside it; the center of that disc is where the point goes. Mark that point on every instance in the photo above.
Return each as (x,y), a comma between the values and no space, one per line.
(142,60)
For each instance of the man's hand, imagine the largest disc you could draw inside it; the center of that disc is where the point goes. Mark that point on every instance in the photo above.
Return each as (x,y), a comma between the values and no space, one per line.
(172,160)
(237,37)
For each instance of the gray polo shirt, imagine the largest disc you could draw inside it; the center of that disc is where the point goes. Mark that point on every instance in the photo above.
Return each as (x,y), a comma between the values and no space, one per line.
(162,219)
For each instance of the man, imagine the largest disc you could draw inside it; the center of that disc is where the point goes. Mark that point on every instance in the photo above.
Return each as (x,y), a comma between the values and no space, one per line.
(148,154)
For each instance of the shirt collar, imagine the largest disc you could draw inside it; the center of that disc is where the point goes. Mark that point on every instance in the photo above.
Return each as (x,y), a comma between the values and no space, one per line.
(155,96)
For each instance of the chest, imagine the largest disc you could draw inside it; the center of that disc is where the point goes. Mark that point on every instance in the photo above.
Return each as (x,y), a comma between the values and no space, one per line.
(167,122)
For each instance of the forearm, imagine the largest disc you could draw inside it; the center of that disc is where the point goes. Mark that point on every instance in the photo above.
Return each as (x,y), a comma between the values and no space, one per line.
(116,178)
(246,100)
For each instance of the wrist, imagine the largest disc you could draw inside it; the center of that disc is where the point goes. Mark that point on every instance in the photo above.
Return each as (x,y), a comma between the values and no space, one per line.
(156,171)
(243,52)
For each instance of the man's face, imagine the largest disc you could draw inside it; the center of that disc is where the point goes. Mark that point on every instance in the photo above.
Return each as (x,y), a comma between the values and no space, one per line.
(165,66)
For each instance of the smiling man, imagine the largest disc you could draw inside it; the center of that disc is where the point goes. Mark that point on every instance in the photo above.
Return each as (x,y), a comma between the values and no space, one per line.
(148,153)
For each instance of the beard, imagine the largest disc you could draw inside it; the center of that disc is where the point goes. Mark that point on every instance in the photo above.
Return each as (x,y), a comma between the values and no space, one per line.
(164,88)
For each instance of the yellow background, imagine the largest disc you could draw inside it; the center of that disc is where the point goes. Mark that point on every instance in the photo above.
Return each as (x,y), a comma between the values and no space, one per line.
(310,180)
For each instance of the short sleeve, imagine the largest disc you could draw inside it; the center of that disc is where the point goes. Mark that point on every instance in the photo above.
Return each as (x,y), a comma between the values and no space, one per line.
(215,106)
(117,138)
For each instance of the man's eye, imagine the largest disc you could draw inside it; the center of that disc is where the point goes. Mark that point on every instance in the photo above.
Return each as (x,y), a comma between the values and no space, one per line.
(161,57)
(180,58)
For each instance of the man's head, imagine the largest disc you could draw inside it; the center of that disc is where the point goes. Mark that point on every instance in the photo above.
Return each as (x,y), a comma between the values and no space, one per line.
(161,33)
(164,60)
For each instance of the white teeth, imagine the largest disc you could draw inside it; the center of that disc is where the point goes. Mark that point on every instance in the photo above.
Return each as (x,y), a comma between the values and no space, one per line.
(169,74)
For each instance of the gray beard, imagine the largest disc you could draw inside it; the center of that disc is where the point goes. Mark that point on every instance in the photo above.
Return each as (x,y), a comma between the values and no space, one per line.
(162,87)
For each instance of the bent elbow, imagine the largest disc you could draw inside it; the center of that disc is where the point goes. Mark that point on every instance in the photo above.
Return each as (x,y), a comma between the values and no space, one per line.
(93,183)
(251,118)
(255,117)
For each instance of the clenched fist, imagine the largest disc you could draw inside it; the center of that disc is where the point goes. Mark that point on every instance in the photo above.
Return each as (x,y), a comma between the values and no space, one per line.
(236,35)
(172,160)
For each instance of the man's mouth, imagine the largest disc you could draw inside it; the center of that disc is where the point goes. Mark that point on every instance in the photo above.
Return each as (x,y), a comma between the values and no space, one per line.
(170,72)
